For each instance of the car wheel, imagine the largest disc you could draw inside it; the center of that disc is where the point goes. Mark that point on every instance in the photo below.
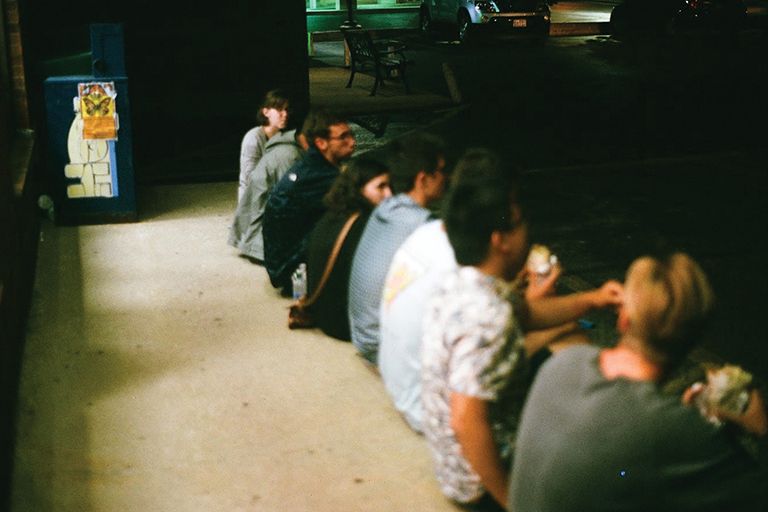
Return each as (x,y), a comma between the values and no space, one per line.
(464,26)
(425,20)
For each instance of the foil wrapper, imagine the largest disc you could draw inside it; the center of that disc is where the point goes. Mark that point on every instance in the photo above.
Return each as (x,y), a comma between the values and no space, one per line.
(727,389)
(541,260)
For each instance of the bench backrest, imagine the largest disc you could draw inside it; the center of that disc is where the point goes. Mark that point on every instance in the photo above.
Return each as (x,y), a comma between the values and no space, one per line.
(360,45)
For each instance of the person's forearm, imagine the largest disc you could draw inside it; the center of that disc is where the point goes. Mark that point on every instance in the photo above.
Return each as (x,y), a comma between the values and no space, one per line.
(568,332)
(755,418)
(246,169)
(553,311)
(473,432)
(480,450)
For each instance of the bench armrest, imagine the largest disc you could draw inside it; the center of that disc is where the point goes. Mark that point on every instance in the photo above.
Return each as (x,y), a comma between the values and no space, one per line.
(389,47)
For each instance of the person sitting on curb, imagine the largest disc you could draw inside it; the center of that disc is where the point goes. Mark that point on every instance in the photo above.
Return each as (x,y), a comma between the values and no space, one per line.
(417,269)
(417,177)
(296,203)
(273,118)
(597,432)
(474,363)
(280,153)
(363,184)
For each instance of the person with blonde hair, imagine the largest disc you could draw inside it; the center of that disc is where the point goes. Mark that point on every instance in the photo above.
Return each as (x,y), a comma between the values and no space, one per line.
(597,432)
(665,307)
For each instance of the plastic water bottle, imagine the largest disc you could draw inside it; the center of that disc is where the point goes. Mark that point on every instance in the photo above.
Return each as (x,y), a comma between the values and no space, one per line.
(299,281)
(45,203)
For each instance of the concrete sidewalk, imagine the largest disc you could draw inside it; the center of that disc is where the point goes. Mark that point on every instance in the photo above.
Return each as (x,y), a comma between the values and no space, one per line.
(159,375)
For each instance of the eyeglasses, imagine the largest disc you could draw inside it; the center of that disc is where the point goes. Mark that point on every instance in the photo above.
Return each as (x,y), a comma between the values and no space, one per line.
(343,136)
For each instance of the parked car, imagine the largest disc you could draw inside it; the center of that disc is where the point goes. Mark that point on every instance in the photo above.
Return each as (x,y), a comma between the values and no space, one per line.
(667,16)
(470,16)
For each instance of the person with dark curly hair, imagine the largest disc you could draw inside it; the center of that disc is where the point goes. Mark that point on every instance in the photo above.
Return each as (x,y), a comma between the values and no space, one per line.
(362,185)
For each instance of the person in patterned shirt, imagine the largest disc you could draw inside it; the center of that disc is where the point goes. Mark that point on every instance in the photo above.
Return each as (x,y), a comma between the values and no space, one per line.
(474,355)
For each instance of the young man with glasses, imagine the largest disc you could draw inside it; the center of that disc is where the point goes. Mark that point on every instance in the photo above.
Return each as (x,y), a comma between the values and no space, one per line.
(296,203)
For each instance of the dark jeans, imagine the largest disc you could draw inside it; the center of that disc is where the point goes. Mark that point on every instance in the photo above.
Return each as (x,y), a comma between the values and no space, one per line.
(484,504)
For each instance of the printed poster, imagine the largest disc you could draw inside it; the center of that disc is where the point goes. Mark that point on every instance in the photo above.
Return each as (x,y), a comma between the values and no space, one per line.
(98,110)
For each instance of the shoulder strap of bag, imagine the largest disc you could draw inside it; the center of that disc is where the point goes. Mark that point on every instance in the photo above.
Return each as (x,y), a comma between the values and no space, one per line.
(332,258)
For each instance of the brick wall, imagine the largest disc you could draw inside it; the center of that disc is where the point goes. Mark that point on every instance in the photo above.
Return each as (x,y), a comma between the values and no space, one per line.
(18,228)
(15,55)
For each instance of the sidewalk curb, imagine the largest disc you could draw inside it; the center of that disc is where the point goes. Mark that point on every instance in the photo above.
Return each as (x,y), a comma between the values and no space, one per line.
(612,166)
(555,30)
(452,84)
(579,29)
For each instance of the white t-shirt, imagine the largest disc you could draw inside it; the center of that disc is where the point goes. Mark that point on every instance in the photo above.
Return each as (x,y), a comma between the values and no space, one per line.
(416,270)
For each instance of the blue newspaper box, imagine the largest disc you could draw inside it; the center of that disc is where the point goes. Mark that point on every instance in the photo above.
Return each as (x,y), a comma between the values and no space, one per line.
(89,138)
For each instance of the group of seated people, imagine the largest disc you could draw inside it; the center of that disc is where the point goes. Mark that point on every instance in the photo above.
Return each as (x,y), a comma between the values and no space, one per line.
(478,352)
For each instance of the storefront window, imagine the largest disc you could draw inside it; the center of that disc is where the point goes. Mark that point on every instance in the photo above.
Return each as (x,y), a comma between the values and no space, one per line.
(323,5)
(382,4)
(341,5)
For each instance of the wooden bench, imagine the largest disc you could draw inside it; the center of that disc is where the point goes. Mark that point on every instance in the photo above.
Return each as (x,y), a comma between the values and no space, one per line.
(385,59)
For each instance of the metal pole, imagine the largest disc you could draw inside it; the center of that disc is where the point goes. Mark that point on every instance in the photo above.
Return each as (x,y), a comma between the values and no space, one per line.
(350,22)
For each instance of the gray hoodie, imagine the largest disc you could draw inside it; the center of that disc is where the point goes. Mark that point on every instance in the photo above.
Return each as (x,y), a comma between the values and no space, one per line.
(280,152)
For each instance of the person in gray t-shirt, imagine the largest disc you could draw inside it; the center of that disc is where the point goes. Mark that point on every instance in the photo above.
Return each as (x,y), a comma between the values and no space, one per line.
(597,433)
